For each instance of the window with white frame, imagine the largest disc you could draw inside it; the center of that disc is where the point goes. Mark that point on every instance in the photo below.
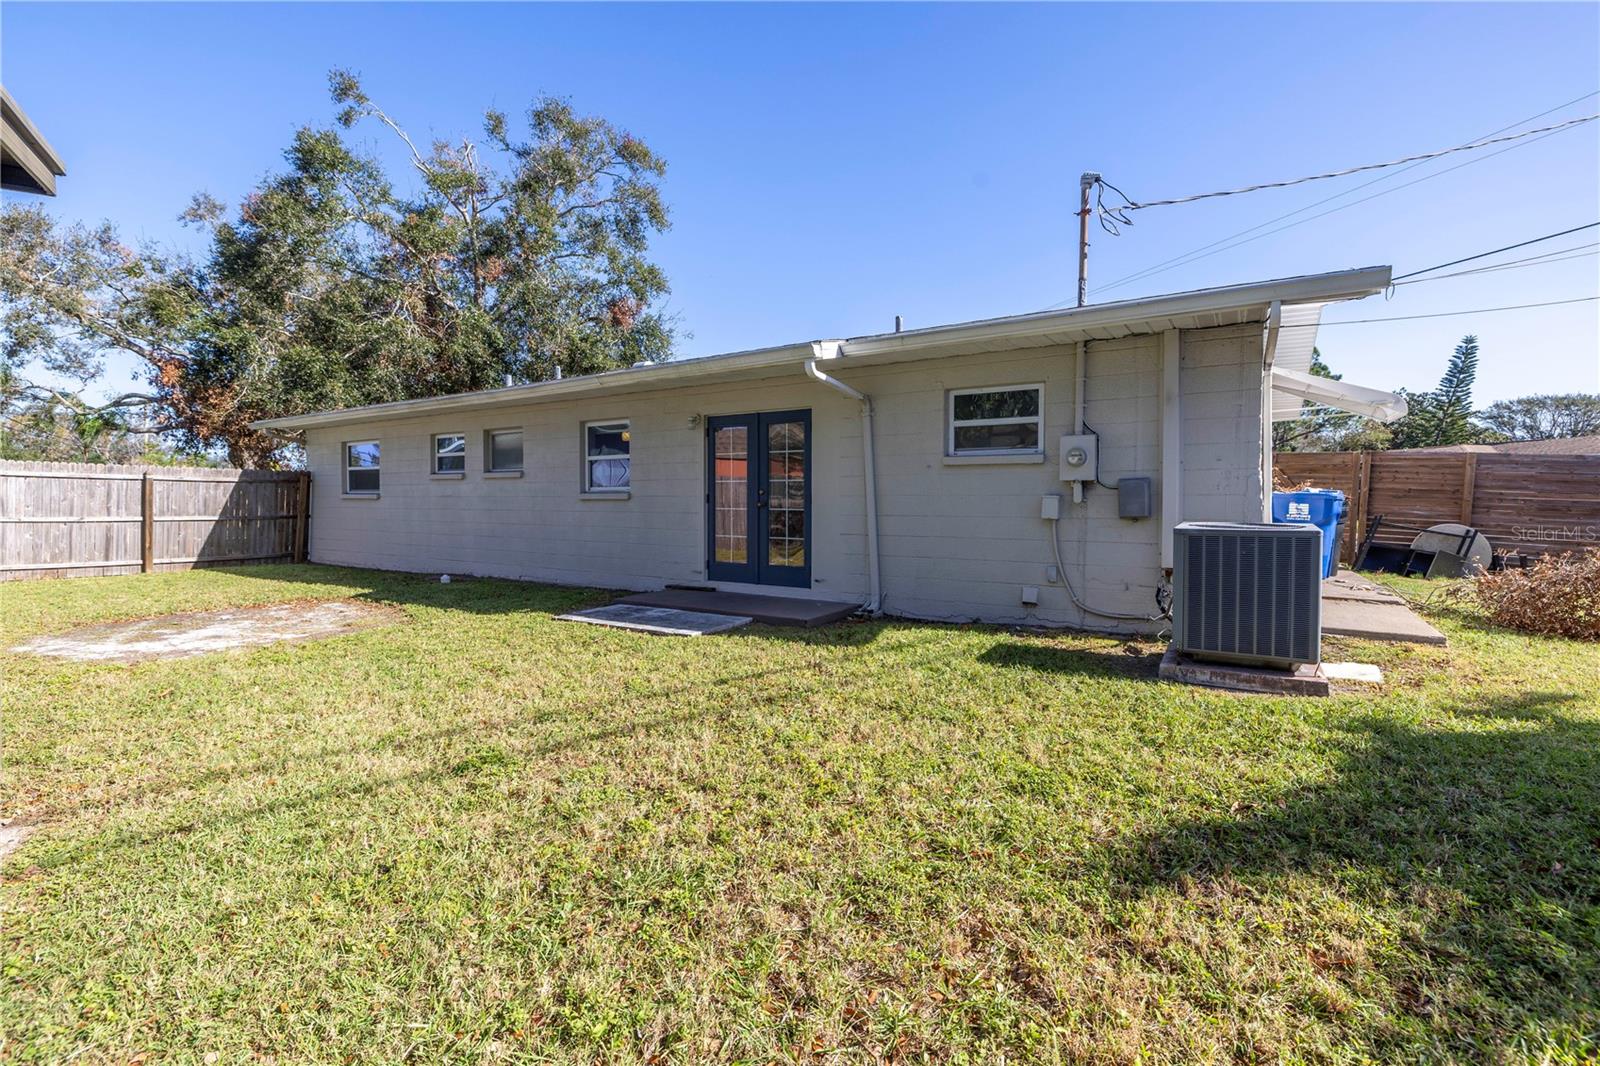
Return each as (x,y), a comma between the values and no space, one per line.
(606,447)
(504,450)
(361,468)
(450,453)
(997,420)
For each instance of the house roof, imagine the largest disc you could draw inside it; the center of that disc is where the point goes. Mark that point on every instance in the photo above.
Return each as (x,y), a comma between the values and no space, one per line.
(1198,309)
(27,162)
(1558,446)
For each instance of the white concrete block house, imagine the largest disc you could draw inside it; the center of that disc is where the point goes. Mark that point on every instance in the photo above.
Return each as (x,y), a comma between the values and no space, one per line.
(907,472)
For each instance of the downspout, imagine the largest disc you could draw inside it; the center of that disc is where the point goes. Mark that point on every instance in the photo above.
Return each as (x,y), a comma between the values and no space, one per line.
(1269,353)
(869,468)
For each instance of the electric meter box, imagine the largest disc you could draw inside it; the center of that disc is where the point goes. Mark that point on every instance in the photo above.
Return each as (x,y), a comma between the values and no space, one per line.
(1079,457)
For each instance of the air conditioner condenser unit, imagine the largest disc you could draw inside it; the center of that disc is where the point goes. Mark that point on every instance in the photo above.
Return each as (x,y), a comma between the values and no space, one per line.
(1246,593)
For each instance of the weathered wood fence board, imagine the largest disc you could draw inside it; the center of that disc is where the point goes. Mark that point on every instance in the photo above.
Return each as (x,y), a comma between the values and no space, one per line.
(1534,504)
(87,519)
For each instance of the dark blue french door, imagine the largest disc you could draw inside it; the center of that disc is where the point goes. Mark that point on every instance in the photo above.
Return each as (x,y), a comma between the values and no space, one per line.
(758,498)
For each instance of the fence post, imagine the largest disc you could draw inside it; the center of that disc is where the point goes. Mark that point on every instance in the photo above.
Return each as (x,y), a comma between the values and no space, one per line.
(147,524)
(1363,503)
(302,510)
(1469,486)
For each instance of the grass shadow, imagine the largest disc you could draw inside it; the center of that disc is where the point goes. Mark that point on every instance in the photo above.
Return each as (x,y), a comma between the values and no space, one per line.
(1491,836)
(1120,664)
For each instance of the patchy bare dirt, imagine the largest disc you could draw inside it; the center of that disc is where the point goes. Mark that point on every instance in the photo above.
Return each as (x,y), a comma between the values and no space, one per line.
(176,636)
(12,834)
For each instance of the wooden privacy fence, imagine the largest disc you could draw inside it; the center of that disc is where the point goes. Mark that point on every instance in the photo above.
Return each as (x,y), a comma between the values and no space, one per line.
(1533,504)
(87,519)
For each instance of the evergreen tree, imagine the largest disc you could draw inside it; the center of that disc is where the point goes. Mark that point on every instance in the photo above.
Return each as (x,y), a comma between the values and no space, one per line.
(1453,397)
(1443,416)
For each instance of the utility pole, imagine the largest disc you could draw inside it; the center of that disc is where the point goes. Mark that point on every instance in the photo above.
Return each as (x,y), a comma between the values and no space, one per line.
(1085,183)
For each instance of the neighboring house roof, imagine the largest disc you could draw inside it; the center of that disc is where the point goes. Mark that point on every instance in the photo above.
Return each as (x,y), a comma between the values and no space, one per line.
(1558,446)
(27,162)
(1200,309)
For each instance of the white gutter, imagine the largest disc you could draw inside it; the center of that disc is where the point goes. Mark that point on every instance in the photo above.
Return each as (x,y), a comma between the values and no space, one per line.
(821,350)
(1358,399)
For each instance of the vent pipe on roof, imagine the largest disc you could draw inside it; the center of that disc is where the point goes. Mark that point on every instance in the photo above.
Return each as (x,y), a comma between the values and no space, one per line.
(899,323)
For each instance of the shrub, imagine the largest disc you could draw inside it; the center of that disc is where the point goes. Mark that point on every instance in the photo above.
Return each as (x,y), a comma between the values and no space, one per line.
(1558,596)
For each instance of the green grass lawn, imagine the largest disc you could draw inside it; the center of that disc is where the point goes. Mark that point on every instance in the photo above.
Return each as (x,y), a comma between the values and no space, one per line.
(479,834)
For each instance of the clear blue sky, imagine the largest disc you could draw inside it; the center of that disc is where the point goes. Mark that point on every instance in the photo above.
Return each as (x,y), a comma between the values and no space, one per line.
(833,166)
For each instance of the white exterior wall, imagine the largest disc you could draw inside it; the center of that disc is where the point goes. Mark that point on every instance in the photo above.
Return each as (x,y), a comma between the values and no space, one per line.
(957,540)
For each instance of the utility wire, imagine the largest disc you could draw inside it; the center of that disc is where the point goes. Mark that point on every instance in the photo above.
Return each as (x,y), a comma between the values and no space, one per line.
(1336,196)
(1132,206)
(1321,214)
(1441,314)
(1497,251)
(1194,254)
(1515,264)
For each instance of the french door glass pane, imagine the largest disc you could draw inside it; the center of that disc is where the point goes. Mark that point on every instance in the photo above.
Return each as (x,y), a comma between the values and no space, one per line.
(786,494)
(731,477)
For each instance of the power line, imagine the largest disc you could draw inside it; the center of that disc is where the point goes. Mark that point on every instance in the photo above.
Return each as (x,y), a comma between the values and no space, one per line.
(1423,157)
(1515,264)
(1194,254)
(1497,251)
(1340,195)
(1440,314)
(1329,211)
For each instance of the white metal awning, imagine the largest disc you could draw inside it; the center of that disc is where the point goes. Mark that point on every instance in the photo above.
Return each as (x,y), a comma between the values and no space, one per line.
(1295,386)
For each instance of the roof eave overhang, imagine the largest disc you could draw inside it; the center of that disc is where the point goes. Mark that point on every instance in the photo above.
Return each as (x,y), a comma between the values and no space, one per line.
(1232,305)
(1204,309)
(27,162)
(628,379)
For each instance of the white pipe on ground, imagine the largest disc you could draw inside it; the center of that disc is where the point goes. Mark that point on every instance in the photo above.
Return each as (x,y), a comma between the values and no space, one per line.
(821,350)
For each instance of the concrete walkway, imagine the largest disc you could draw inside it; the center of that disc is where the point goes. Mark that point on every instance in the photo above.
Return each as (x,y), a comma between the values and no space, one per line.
(1353,606)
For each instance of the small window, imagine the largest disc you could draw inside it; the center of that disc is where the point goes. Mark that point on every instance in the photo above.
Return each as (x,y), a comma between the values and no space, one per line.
(605,456)
(505,450)
(993,421)
(450,453)
(361,468)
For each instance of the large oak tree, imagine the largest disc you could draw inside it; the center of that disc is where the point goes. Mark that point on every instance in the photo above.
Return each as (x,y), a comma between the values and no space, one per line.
(336,283)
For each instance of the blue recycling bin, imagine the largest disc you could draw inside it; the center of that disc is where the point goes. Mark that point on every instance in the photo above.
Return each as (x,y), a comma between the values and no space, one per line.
(1322,508)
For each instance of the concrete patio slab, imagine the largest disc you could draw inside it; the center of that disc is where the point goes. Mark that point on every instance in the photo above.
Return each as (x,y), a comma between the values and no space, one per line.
(664,621)
(768,610)
(1353,606)
(175,636)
